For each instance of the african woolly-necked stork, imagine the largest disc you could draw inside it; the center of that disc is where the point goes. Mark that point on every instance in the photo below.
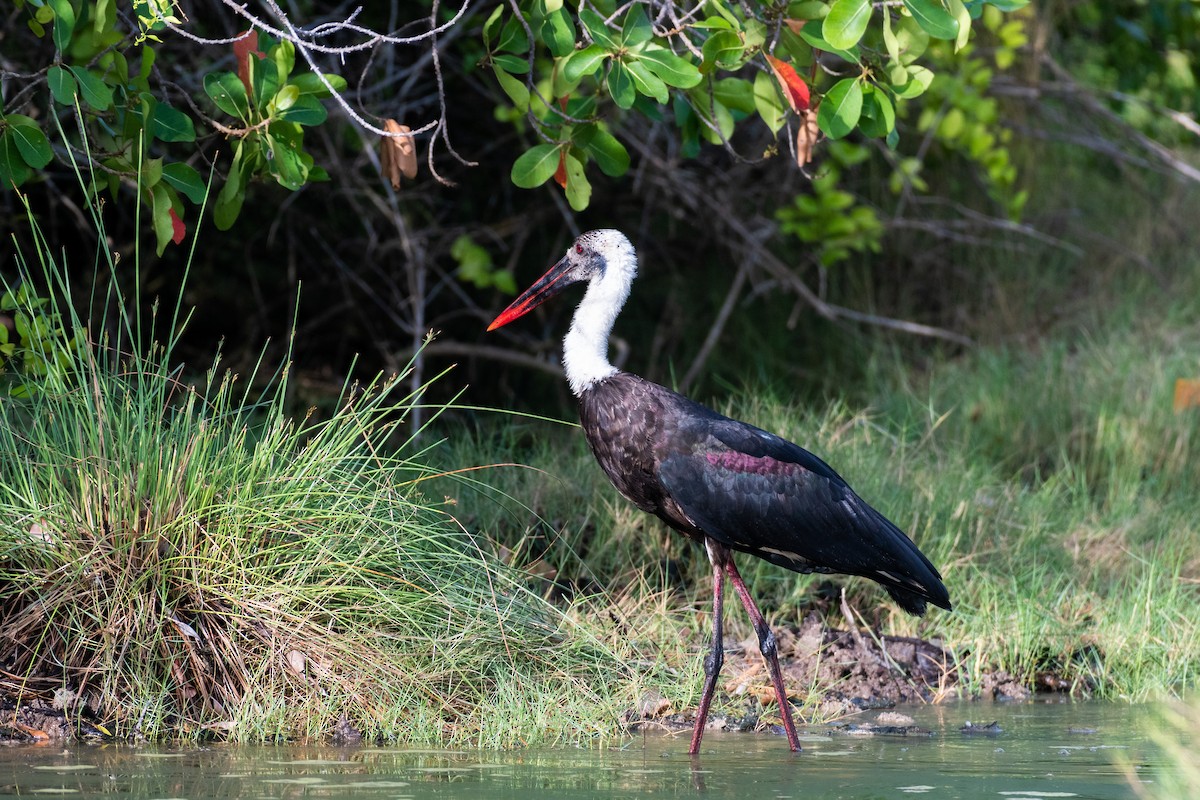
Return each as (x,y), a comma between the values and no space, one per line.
(724,483)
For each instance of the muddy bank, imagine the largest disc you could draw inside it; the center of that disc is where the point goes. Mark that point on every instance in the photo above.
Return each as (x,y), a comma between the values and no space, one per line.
(853,670)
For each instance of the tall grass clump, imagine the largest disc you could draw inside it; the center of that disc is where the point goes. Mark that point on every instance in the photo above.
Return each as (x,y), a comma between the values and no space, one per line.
(180,558)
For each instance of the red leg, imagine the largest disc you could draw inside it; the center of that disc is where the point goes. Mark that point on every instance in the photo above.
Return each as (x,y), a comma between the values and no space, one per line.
(713,661)
(766,645)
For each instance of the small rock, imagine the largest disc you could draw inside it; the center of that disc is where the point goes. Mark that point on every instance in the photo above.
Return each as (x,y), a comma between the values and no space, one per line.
(894,718)
(652,704)
(345,733)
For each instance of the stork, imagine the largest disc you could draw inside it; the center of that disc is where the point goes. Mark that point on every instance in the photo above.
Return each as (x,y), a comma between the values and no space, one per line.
(723,483)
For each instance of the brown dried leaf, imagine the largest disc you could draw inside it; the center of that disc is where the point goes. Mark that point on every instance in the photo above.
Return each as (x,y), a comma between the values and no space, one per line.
(1187,393)
(397,154)
(243,47)
(807,136)
(296,661)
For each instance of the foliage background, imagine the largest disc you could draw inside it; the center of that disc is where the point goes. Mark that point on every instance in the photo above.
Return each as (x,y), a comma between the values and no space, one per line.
(748,260)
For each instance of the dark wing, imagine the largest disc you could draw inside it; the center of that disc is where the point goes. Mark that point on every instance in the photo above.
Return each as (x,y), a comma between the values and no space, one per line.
(762,494)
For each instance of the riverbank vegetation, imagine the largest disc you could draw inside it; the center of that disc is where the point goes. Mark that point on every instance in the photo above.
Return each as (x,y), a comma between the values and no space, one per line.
(976,308)
(183,557)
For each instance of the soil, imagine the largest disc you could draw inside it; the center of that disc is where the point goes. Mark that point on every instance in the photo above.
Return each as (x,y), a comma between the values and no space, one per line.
(857,671)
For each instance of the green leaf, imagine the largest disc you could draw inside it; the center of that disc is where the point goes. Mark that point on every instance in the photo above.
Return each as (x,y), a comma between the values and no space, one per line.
(841,108)
(584,62)
(933,18)
(31,143)
(593,23)
(287,163)
(620,85)
(919,79)
(233,193)
(674,71)
(609,154)
(307,110)
(95,92)
(104,16)
(637,29)
(1008,5)
(489,27)
(516,90)
(890,43)
(579,190)
(517,65)
(310,83)
(184,178)
(172,125)
(878,116)
(723,49)
(474,262)
(736,94)
(161,216)
(512,37)
(64,22)
(62,85)
(13,169)
(912,39)
(807,9)
(558,32)
(963,18)
(150,173)
(536,166)
(646,81)
(846,23)
(228,93)
(264,81)
(286,97)
(284,56)
(716,122)
(815,40)
(147,65)
(768,101)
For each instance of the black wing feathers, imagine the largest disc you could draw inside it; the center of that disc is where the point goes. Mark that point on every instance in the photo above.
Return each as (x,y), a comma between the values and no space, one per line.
(706,474)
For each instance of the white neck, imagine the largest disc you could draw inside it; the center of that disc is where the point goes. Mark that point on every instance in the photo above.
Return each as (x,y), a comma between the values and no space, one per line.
(585,347)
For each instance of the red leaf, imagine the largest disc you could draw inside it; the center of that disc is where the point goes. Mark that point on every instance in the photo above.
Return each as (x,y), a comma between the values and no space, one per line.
(560,174)
(177,226)
(794,87)
(242,48)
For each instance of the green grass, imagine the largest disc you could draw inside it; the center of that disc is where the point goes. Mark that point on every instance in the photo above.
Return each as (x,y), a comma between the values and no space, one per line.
(1049,477)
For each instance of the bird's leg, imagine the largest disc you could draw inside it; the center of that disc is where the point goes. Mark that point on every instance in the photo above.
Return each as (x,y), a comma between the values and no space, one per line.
(767,646)
(718,555)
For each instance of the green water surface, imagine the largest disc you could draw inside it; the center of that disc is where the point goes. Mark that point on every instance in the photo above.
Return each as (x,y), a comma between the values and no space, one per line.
(1044,750)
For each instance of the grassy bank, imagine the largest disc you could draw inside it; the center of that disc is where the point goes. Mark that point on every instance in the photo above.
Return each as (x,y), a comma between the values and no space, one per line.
(180,557)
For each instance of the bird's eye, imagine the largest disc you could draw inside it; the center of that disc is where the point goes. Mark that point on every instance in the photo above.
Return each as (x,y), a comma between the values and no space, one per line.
(579,249)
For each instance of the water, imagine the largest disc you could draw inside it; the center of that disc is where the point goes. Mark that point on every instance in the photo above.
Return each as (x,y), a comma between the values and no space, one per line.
(1083,750)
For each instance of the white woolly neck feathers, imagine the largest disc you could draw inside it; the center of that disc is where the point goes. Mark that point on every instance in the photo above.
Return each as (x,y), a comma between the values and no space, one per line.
(585,347)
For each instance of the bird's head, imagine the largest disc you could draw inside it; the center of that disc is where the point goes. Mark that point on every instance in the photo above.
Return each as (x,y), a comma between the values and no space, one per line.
(602,256)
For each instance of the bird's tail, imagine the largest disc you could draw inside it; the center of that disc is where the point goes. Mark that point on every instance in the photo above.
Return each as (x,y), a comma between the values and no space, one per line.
(912,580)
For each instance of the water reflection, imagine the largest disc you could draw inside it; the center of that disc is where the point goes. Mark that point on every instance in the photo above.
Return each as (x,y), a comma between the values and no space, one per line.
(1042,751)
